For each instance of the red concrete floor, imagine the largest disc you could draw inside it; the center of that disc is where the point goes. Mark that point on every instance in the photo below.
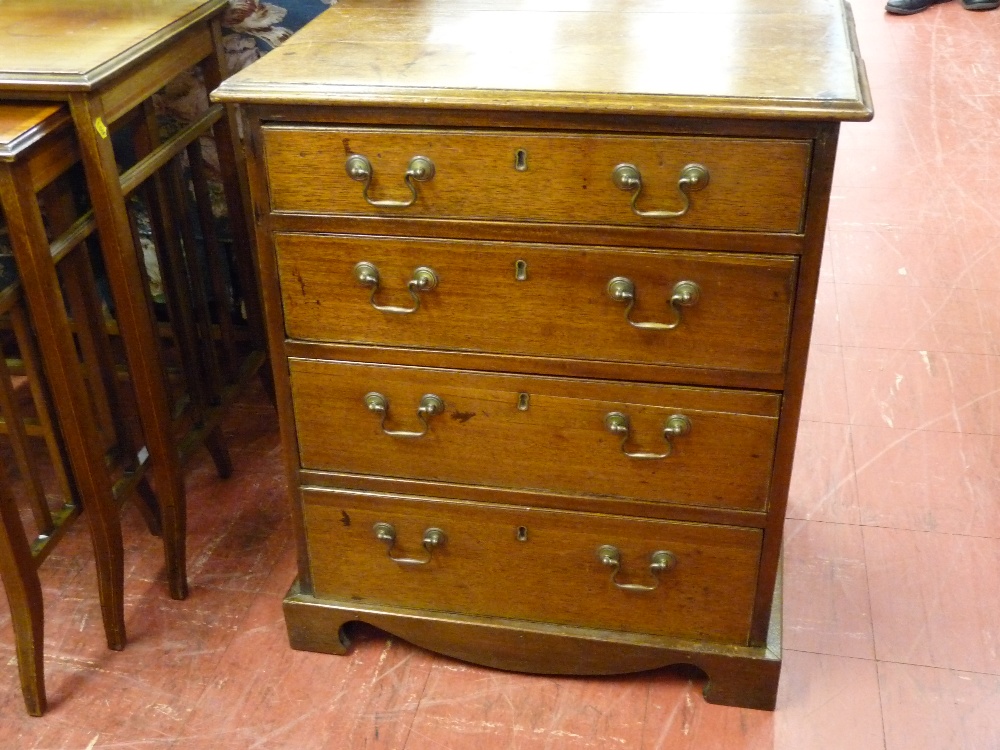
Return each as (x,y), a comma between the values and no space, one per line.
(892,563)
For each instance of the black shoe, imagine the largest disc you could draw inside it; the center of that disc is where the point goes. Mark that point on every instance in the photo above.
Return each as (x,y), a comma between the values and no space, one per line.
(909,7)
(981,4)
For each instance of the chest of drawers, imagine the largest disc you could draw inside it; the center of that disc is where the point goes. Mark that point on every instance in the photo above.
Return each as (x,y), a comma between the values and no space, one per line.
(539,286)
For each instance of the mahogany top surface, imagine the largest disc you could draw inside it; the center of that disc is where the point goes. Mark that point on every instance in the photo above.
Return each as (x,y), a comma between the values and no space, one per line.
(73,45)
(741,58)
(25,123)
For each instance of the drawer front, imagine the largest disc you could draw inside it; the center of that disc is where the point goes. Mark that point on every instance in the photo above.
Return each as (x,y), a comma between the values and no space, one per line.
(749,185)
(531,564)
(541,300)
(535,433)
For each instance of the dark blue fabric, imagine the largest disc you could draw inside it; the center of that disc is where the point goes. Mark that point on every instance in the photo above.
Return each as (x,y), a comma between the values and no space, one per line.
(301,12)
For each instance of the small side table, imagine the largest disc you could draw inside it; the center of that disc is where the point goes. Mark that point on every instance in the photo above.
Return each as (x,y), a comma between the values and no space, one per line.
(37,151)
(106,60)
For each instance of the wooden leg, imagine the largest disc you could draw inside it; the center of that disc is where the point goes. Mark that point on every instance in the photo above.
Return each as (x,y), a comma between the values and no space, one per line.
(232,161)
(149,507)
(137,326)
(185,298)
(81,297)
(215,443)
(214,267)
(748,684)
(15,423)
(98,366)
(208,357)
(42,400)
(69,393)
(170,258)
(24,593)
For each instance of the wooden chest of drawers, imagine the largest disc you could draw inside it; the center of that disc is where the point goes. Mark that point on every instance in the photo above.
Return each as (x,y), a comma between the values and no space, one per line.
(540,312)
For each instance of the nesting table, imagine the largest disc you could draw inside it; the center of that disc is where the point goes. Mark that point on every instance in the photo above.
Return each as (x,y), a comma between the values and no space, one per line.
(105,60)
(38,156)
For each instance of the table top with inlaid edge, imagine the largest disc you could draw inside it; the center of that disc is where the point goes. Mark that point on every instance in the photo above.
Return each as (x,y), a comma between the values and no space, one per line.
(76,45)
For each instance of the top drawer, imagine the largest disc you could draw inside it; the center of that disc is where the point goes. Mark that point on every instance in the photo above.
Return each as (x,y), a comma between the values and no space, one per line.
(747,185)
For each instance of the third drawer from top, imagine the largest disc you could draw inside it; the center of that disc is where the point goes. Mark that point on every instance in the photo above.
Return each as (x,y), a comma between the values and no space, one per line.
(570,436)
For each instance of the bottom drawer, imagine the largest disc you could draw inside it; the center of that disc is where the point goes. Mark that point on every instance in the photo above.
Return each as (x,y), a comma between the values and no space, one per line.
(534,564)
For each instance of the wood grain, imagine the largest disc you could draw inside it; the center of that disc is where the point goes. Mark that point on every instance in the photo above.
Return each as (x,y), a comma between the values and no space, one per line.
(738,675)
(754,185)
(747,59)
(752,89)
(81,44)
(552,576)
(24,124)
(560,309)
(559,443)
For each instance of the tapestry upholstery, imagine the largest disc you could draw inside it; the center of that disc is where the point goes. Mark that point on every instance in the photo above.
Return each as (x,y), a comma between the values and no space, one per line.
(252,28)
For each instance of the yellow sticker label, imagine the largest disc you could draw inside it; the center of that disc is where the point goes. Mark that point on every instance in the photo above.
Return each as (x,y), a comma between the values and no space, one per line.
(101,128)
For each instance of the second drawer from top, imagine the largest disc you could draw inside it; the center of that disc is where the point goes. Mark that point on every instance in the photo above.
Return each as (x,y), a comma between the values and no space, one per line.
(724,311)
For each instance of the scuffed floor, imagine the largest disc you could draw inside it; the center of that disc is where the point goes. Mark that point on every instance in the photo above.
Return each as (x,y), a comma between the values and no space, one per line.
(892,563)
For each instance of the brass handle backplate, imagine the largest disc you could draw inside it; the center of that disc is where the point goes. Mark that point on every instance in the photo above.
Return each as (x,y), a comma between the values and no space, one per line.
(424,279)
(693,177)
(618,424)
(433,538)
(420,169)
(659,562)
(684,294)
(429,406)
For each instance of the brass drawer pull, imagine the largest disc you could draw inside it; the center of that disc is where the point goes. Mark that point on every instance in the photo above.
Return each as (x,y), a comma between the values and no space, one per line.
(429,406)
(386,532)
(420,169)
(424,279)
(618,424)
(659,562)
(693,177)
(684,294)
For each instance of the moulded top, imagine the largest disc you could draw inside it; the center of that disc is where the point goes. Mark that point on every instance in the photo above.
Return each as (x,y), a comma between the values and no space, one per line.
(74,45)
(25,123)
(793,59)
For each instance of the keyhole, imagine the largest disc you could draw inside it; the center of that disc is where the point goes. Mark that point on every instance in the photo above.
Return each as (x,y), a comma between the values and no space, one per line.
(522,533)
(521,160)
(521,270)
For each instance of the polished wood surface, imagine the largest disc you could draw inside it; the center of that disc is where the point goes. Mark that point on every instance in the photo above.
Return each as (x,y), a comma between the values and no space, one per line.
(557,443)
(548,557)
(22,125)
(64,45)
(561,308)
(742,58)
(779,76)
(753,185)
